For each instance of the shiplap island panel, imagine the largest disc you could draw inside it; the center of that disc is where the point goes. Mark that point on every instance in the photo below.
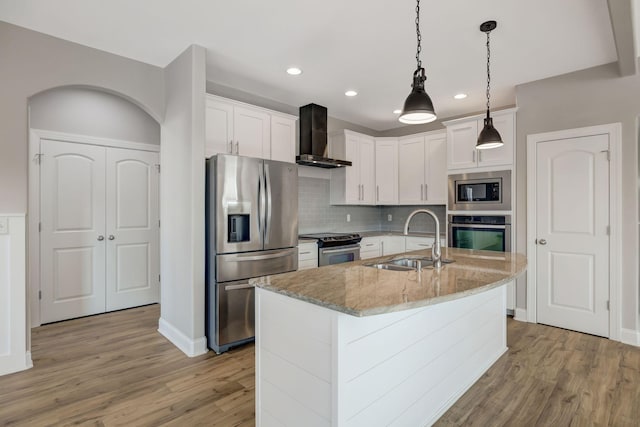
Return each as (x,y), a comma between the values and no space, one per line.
(350,345)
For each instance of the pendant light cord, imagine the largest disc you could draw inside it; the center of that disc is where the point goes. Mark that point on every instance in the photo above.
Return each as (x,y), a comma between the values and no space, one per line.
(488,72)
(418,35)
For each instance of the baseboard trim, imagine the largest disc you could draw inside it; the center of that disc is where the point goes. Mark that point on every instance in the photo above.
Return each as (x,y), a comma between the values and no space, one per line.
(630,336)
(191,348)
(521,315)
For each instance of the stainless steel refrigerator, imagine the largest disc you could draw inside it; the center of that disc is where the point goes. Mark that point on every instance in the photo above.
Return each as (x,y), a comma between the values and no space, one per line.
(252,231)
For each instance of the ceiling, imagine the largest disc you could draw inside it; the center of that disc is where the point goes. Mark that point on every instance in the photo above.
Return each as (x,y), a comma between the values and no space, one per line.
(365,45)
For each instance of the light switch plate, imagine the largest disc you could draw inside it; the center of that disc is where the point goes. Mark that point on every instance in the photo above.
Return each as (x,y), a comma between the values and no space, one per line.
(4,225)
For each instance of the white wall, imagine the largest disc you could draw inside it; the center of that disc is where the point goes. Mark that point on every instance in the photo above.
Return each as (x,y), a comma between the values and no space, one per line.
(14,355)
(86,111)
(586,98)
(182,181)
(32,63)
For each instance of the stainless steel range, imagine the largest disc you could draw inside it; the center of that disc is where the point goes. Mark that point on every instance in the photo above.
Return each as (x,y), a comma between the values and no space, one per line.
(336,248)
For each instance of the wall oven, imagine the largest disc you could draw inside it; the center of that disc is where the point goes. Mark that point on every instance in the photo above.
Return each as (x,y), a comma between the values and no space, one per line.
(336,248)
(483,232)
(481,191)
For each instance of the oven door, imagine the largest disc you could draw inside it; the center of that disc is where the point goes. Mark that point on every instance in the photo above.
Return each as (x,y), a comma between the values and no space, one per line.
(480,236)
(338,254)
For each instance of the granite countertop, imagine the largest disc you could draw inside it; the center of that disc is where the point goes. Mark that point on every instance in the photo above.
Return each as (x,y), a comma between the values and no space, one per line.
(355,289)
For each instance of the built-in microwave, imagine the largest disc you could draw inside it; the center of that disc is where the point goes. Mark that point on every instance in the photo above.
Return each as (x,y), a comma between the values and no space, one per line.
(480,191)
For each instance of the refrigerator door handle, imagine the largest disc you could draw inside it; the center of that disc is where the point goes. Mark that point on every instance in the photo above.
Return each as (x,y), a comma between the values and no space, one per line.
(267,185)
(260,203)
(236,287)
(280,254)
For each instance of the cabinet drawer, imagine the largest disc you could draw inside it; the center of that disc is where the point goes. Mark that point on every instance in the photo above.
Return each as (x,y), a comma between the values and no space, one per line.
(370,244)
(418,243)
(369,254)
(308,251)
(307,263)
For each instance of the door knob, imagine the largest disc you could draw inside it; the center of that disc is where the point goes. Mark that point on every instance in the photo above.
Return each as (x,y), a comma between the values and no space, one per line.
(111,237)
(100,238)
(542,242)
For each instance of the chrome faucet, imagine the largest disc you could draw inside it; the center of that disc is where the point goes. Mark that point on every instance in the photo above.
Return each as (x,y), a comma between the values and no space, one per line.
(436,252)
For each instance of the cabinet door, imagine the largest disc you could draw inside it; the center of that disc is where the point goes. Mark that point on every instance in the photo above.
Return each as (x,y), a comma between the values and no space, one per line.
(251,133)
(391,245)
(218,127)
(418,243)
(367,160)
(436,182)
(370,247)
(461,145)
(283,139)
(353,191)
(411,155)
(501,155)
(386,171)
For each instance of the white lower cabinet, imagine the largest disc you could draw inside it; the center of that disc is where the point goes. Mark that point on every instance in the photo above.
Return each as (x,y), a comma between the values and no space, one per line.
(391,245)
(415,243)
(370,247)
(307,255)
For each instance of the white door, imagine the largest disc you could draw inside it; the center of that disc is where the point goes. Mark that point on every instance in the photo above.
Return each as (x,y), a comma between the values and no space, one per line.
(72,192)
(572,210)
(411,155)
(132,245)
(251,133)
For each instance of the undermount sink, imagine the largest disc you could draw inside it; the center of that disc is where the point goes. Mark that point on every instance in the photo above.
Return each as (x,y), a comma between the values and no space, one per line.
(406,264)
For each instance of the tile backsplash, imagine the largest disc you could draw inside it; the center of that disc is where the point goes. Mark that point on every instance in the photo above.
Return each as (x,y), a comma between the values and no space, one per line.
(317,215)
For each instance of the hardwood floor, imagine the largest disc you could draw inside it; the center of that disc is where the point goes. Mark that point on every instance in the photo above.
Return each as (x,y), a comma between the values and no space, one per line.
(116,369)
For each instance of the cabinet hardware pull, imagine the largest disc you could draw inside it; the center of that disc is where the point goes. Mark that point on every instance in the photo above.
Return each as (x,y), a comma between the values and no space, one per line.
(377,192)
(426,191)
(237,147)
(304,253)
(421,191)
(231,147)
(362,191)
(112,237)
(100,238)
(474,156)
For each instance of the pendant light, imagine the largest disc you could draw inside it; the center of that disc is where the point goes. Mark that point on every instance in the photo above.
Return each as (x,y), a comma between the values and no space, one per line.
(489,137)
(418,107)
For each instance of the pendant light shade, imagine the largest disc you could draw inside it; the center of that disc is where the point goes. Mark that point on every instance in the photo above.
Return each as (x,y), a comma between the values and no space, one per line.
(489,137)
(418,107)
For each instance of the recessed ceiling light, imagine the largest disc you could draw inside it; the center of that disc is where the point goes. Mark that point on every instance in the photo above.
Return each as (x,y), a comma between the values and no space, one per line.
(397,111)
(351,93)
(294,71)
(460,96)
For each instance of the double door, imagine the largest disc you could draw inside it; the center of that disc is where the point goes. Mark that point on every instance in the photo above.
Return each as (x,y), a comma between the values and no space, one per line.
(99,230)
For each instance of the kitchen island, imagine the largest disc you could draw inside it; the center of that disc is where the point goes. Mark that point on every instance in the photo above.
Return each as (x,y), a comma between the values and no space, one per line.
(353,345)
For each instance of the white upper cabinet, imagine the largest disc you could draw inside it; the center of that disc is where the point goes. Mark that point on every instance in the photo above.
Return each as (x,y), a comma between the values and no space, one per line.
(422,176)
(353,185)
(283,139)
(219,127)
(386,171)
(251,133)
(236,128)
(462,135)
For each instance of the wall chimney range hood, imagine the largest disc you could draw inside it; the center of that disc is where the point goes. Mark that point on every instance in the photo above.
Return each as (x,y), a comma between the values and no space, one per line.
(313,139)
